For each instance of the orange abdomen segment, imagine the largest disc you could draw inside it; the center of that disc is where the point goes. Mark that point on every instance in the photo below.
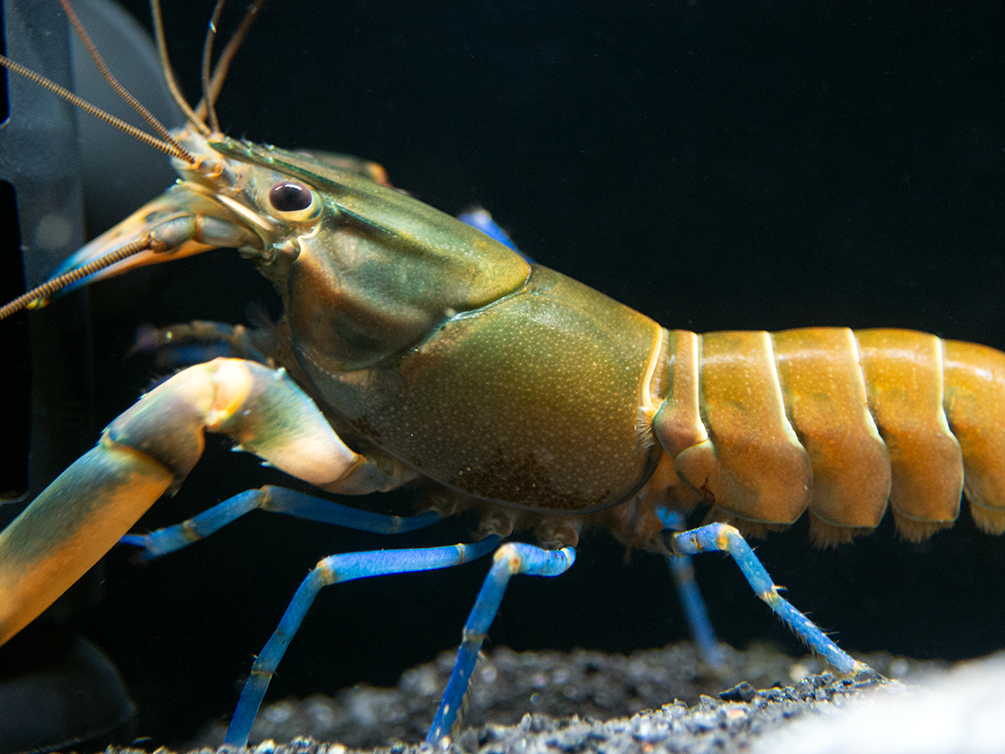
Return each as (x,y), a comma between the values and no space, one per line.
(826,401)
(839,423)
(904,376)
(975,407)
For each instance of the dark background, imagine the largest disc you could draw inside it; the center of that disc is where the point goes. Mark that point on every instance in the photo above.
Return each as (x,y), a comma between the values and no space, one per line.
(714,165)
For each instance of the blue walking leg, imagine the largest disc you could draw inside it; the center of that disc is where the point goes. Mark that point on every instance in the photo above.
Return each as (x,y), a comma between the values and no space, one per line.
(334,570)
(277,500)
(480,218)
(725,538)
(510,559)
(690,596)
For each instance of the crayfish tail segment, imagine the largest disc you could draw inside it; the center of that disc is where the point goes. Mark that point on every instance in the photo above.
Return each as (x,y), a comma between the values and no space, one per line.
(148,451)
(975,410)
(905,379)
(840,423)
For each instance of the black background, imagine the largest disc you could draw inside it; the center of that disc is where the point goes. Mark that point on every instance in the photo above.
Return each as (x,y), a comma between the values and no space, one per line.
(714,165)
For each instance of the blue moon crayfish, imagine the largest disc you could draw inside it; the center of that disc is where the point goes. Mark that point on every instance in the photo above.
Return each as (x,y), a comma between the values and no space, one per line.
(415,349)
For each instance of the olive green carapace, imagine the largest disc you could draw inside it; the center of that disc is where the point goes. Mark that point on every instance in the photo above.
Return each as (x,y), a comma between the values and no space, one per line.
(378,270)
(533,401)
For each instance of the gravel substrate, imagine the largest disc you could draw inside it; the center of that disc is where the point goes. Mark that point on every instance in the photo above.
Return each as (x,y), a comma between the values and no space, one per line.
(579,701)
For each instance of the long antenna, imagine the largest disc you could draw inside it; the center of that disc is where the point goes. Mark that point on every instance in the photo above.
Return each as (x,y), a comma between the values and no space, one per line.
(211,85)
(117,87)
(49,287)
(172,148)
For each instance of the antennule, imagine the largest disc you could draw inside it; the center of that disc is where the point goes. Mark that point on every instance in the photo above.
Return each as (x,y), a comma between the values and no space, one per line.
(169,75)
(207,54)
(227,56)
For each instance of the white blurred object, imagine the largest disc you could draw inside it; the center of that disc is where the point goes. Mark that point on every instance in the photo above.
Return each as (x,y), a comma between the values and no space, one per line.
(960,712)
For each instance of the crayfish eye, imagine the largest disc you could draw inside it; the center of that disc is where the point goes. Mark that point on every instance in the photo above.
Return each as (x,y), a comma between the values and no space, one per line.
(294,200)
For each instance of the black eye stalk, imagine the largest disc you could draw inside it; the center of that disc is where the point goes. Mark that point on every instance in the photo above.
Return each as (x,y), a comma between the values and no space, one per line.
(290,196)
